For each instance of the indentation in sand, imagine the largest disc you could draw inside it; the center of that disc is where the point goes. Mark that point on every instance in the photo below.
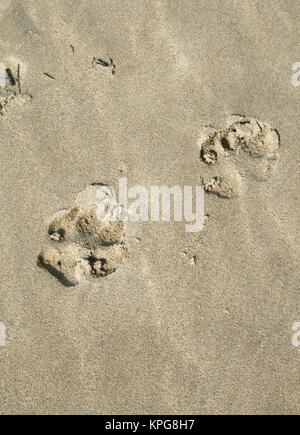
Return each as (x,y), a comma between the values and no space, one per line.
(11,94)
(81,246)
(245,148)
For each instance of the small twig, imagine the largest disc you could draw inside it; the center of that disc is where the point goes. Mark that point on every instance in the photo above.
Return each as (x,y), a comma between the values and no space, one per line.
(113,71)
(102,62)
(11,77)
(19,78)
(105,64)
(50,76)
(72,48)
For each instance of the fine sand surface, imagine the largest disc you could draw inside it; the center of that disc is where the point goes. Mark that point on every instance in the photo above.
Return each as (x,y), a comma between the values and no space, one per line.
(188,322)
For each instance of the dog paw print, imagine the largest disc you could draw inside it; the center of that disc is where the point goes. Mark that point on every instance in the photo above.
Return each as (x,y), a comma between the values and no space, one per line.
(246,148)
(82,245)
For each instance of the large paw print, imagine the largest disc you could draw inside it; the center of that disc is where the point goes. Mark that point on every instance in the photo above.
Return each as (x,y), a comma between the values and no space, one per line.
(245,148)
(82,246)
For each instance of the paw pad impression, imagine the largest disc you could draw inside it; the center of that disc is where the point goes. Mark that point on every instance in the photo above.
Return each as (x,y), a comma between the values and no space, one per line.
(245,148)
(82,246)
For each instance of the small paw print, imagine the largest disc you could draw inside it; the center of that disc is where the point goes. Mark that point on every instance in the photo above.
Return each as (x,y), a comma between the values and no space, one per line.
(246,148)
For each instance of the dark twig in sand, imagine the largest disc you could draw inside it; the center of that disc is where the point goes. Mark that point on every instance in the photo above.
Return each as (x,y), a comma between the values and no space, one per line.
(50,76)
(19,78)
(105,64)
(11,77)
(72,48)
(101,62)
(113,71)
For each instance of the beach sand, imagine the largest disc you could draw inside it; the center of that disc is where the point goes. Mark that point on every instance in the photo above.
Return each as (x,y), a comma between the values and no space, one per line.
(190,323)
